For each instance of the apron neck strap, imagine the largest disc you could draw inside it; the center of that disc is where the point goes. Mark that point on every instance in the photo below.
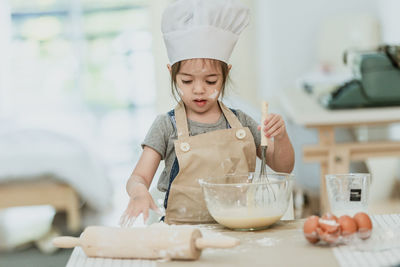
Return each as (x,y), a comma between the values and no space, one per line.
(182,128)
(230,116)
(182,124)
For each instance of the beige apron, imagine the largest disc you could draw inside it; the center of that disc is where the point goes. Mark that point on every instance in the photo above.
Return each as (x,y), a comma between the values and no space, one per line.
(211,154)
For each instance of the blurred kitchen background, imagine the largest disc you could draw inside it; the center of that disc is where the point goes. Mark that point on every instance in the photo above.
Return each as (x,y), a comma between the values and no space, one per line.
(81,81)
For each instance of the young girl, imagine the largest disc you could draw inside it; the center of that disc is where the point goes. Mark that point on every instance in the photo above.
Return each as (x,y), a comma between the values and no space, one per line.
(201,137)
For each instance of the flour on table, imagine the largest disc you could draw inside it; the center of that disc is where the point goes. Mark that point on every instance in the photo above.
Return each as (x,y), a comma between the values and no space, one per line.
(267,242)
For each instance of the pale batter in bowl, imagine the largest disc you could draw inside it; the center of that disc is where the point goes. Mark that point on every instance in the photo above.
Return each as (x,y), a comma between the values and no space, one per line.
(236,220)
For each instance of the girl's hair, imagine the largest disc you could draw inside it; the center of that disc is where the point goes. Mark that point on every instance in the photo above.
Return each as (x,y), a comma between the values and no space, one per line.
(214,62)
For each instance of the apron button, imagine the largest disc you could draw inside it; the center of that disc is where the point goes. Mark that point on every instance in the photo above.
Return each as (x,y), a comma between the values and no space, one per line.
(185,147)
(240,134)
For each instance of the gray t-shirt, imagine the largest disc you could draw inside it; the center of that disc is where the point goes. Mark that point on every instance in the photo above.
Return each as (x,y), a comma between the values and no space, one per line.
(162,135)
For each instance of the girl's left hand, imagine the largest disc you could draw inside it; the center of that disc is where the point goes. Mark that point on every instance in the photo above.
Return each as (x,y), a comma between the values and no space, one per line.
(274,126)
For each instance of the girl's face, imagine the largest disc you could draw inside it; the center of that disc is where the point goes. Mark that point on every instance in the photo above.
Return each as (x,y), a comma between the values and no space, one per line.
(199,83)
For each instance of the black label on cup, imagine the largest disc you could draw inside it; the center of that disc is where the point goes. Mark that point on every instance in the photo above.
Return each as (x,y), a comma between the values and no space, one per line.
(355,194)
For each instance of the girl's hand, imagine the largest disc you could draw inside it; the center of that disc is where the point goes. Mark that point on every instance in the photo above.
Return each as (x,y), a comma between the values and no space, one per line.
(140,202)
(274,126)
(280,153)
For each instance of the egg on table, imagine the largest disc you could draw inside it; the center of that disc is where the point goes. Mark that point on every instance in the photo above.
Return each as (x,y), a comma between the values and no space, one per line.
(348,225)
(310,229)
(364,224)
(330,238)
(329,223)
(335,230)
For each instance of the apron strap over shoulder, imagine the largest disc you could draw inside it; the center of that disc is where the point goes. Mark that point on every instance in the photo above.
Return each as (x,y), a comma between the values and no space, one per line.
(181,121)
(230,116)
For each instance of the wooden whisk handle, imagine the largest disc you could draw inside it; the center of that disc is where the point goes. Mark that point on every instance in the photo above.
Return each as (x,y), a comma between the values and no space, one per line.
(264,114)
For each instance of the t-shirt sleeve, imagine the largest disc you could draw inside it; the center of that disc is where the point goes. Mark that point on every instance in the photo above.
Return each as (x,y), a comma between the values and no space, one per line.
(249,122)
(157,136)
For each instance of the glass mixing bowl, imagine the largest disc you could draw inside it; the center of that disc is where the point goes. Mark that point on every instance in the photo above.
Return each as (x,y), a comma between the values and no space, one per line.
(247,202)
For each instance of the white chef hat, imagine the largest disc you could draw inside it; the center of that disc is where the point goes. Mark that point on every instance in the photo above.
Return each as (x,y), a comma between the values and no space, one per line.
(203,28)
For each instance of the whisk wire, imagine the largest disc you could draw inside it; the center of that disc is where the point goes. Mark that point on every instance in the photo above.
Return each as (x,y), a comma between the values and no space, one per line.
(263,172)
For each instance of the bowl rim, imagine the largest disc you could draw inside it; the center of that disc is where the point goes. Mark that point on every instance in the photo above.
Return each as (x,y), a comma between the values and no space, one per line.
(290,177)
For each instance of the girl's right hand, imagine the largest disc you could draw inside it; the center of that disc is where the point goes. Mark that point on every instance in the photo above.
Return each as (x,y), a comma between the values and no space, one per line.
(140,202)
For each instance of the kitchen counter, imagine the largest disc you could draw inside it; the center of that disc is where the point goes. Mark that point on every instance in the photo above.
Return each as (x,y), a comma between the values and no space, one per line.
(283,244)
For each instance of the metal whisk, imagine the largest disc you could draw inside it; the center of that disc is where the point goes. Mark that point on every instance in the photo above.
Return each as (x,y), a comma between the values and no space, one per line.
(264,145)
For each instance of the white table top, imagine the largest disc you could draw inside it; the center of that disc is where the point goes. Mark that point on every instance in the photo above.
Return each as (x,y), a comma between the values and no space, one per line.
(255,249)
(304,109)
(381,249)
(281,245)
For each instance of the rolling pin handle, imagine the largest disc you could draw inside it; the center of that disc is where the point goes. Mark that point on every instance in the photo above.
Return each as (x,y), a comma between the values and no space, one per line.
(66,242)
(217,242)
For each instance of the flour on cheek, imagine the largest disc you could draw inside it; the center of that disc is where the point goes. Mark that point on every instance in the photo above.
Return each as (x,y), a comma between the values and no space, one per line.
(214,94)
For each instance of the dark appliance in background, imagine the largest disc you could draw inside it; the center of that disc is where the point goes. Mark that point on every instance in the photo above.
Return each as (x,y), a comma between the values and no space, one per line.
(376,81)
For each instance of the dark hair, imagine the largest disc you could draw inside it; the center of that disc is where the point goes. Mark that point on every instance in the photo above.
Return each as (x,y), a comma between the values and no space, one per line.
(216,63)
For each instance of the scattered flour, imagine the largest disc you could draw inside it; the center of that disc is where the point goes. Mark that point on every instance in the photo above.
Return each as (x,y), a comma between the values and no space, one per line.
(267,242)
(214,94)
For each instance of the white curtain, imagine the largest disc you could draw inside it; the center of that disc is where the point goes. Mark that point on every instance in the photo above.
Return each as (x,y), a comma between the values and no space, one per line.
(5,34)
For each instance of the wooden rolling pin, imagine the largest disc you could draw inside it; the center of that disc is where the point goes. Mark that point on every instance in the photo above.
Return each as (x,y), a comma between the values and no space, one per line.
(181,243)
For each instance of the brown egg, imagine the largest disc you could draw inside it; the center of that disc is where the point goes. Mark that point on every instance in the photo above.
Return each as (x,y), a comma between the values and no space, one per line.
(348,225)
(329,223)
(364,224)
(330,238)
(310,229)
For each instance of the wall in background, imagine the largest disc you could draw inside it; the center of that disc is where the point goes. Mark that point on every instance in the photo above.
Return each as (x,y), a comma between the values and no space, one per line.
(5,26)
(244,60)
(390,18)
(164,98)
(287,37)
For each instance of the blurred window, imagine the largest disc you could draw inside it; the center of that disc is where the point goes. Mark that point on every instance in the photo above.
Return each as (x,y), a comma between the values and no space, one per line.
(69,54)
